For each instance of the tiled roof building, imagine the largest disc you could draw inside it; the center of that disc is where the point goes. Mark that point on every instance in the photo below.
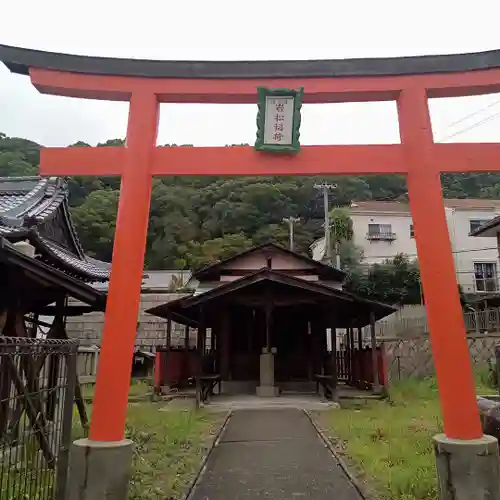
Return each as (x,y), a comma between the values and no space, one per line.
(35,210)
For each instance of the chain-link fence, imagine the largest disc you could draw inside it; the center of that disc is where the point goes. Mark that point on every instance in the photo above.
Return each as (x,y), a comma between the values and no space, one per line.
(37,387)
(412,357)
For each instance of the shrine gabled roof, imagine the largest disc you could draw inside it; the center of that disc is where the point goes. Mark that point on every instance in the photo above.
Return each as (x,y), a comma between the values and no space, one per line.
(323,269)
(19,60)
(349,309)
(28,208)
(51,277)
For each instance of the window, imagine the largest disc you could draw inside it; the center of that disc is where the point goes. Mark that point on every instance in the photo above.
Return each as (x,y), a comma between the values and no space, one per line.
(412,231)
(380,232)
(475,223)
(374,229)
(485,274)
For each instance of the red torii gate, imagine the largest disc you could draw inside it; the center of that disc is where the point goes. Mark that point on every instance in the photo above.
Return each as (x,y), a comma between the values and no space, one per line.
(145,84)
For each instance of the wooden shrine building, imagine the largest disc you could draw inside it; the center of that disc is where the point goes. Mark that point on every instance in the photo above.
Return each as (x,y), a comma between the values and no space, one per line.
(42,265)
(269,312)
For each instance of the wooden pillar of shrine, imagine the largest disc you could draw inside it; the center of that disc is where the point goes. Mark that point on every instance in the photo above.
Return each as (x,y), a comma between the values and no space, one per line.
(376,382)
(169,335)
(352,366)
(315,347)
(186,338)
(200,349)
(5,378)
(310,351)
(322,344)
(166,358)
(268,312)
(54,361)
(348,357)
(333,359)
(225,345)
(186,365)
(359,358)
(11,328)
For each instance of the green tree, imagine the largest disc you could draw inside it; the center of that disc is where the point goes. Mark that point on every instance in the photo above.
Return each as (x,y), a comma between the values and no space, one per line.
(351,255)
(341,227)
(95,220)
(14,164)
(28,151)
(199,219)
(198,255)
(395,281)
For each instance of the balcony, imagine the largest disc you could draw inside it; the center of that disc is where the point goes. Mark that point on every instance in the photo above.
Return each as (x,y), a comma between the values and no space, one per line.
(383,236)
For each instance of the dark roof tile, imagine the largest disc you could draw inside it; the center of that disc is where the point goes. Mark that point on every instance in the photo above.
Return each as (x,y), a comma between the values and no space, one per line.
(25,203)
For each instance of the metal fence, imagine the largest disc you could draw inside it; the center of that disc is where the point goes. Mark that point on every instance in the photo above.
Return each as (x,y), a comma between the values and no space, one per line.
(484,321)
(37,387)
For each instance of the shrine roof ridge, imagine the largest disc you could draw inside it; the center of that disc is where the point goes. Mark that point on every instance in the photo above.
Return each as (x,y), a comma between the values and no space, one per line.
(29,203)
(19,60)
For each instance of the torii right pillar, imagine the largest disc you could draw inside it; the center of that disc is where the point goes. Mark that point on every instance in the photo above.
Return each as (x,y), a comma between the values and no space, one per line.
(467,460)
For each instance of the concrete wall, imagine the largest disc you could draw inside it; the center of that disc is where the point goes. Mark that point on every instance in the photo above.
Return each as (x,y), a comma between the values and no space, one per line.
(412,358)
(152,330)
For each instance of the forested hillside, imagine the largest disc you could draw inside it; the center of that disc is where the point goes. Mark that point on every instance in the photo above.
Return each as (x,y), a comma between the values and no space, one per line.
(195,220)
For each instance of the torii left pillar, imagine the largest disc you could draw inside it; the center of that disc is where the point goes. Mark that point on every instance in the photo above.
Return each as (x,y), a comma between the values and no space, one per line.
(100,465)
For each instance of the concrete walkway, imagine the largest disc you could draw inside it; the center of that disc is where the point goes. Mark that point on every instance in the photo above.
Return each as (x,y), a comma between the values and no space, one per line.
(310,402)
(272,454)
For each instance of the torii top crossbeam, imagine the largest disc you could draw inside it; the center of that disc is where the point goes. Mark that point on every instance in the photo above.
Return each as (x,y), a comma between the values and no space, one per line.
(410,81)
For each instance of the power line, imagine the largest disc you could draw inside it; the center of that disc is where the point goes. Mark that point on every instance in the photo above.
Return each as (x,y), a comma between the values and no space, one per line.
(465,250)
(474,113)
(471,127)
(463,271)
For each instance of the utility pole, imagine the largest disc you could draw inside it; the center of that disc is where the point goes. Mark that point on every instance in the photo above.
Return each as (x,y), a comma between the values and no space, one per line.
(325,187)
(291,221)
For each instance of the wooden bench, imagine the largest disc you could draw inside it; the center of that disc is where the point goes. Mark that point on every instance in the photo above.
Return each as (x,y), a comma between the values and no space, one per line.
(327,383)
(207,386)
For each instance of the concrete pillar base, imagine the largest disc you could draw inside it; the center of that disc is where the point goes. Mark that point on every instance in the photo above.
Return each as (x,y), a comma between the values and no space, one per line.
(99,470)
(267,391)
(266,388)
(467,469)
(267,369)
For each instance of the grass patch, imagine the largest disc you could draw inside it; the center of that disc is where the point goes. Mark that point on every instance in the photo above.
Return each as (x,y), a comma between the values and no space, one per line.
(137,388)
(169,447)
(389,442)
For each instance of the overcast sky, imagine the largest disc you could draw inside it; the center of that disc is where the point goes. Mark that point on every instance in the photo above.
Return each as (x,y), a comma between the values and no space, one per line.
(232,30)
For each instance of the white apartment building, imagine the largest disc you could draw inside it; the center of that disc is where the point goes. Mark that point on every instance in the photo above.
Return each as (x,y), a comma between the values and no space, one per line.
(384,229)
